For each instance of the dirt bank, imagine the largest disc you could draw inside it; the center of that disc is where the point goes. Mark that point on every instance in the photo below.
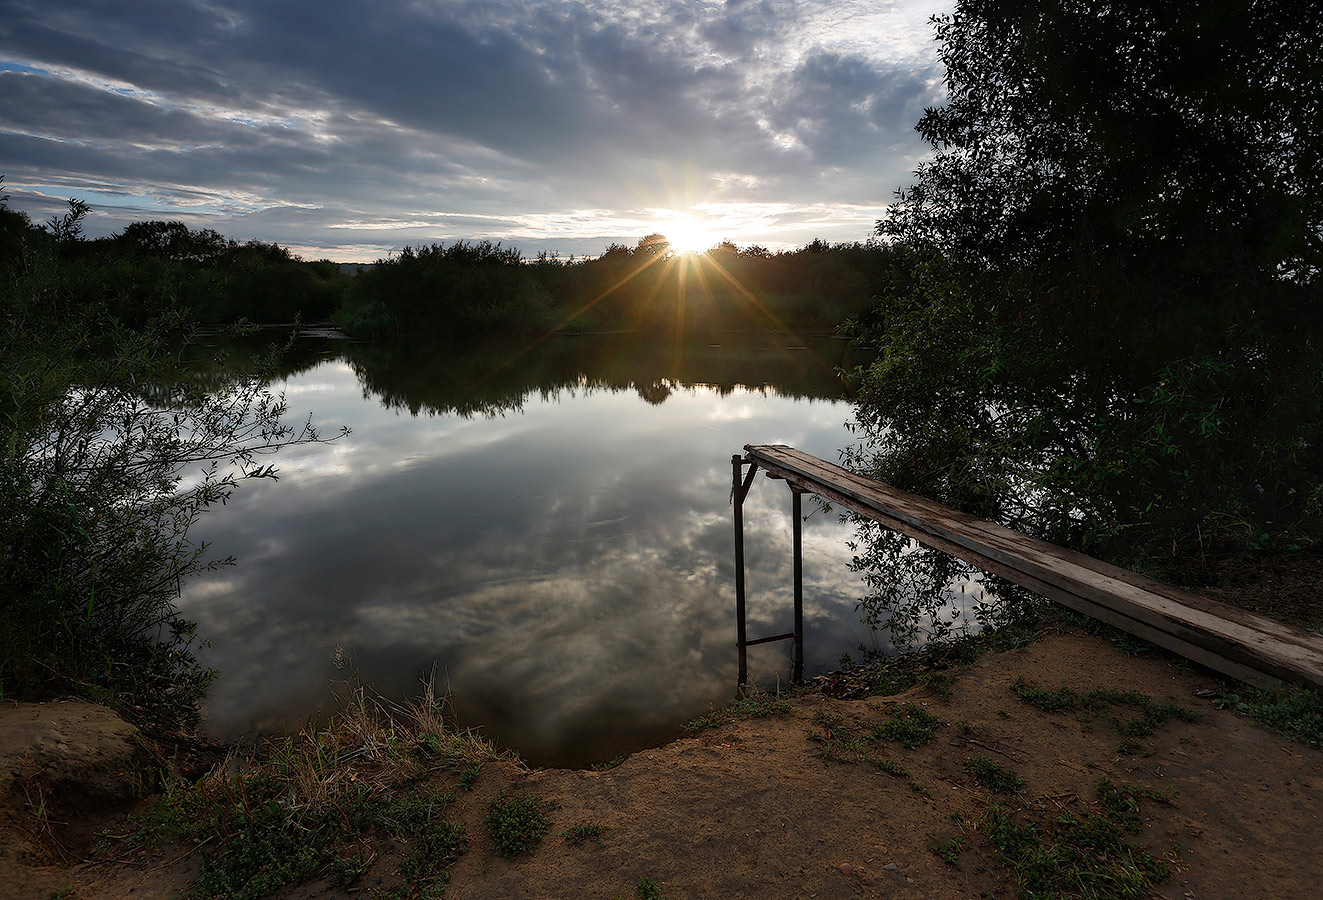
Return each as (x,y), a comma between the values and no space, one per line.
(752,809)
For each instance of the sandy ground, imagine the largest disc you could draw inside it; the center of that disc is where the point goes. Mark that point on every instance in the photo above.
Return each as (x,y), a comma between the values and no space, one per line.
(749,809)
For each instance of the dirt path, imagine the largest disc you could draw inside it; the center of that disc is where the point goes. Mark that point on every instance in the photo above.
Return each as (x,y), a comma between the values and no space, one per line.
(750,809)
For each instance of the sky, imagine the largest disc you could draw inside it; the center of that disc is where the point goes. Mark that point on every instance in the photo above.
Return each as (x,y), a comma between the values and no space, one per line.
(346,129)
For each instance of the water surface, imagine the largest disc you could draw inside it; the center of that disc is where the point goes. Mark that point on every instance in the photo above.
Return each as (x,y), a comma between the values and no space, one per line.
(547,528)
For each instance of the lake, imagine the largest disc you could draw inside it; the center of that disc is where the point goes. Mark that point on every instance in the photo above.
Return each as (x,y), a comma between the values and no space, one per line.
(544,525)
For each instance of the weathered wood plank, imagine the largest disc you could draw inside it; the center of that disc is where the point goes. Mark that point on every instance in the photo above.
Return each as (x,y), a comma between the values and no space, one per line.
(1236,642)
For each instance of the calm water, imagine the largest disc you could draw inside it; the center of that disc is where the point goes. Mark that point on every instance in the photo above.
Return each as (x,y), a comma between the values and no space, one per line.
(547,528)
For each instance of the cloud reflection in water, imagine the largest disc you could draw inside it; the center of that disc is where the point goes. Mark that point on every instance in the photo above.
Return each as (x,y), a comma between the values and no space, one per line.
(566,567)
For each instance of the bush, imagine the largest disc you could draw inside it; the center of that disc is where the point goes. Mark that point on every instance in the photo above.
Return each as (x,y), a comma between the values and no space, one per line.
(108,459)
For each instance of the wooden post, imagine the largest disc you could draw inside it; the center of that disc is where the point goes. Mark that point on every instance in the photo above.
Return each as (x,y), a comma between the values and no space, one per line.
(797,654)
(737,499)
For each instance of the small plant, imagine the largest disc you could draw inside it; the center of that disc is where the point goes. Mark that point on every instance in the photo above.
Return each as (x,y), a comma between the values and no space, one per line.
(468,775)
(911,726)
(1130,746)
(648,890)
(1120,803)
(948,850)
(518,823)
(844,743)
(1296,713)
(939,682)
(1151,713)
(309,804)
(611,763)
(584,831)
(759,706)
(994,777)
(1074,857)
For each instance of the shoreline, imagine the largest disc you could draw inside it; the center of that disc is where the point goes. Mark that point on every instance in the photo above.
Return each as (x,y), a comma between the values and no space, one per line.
(765,805)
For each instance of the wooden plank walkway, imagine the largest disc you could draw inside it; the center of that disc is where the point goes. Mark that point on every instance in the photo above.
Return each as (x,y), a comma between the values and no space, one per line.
(1233,641)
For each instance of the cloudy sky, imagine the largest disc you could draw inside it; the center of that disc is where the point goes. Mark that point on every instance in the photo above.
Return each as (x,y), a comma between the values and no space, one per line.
(348,128)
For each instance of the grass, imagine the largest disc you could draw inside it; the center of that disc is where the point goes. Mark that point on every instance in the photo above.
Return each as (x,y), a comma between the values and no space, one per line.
(994,777)
(468,775)
(1069,856)
(584,831)
(910,726)
(648,890)
(849,743)
(937,665)
(312,804)
(1151,714)
(1296,713)
(948,850)
(759,706)
(517,824)
(939,682)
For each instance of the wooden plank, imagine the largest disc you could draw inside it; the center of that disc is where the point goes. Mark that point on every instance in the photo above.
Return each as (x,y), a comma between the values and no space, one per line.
(1234,641)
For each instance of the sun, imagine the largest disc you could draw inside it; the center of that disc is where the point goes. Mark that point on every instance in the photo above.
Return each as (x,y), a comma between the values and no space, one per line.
(687,234)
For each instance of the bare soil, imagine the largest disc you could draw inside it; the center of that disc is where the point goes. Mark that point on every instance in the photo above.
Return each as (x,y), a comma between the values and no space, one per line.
(749,809)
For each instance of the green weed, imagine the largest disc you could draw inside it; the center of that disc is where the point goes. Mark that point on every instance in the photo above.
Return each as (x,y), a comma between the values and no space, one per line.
(308,804)
(1078,857)
(1296,713)
(948,850)
(846,743)
(994,777)
(911,726)
(759,706)
(648,890)
(518,823)
(1152,714)
(939,682)
(468,775)
(584,831)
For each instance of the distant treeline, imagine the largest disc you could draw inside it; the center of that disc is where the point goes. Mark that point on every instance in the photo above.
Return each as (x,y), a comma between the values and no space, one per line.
(464,289)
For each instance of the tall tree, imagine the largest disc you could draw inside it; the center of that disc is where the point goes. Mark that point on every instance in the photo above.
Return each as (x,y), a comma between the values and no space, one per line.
(1109,333)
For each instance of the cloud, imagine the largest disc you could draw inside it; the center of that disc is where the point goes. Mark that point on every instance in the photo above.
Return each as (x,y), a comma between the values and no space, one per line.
(508,110)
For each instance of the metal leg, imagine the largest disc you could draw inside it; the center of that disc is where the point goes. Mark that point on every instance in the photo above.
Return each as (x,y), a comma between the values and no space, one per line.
(797,655)
(737,500)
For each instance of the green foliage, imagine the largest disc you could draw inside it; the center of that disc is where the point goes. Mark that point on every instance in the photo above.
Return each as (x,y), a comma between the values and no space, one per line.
(1120,803)
(462,290)
(1152,715)
(312,804)
(109,458)
(517,823)
(759,706)
(468,775)
(910,726)
(994,777)
(1292,711)
(1098,336)
(584,831)
(844,742)
(1086,857)
(948,850)
(648,890)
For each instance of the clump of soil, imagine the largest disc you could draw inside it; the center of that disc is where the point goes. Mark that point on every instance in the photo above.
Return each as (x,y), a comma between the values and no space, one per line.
(770,807)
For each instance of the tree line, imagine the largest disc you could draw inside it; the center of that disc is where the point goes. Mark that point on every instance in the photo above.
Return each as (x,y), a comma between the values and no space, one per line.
(457,290)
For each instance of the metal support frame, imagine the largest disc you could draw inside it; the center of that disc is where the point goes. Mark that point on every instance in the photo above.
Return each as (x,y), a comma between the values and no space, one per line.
(740,484)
